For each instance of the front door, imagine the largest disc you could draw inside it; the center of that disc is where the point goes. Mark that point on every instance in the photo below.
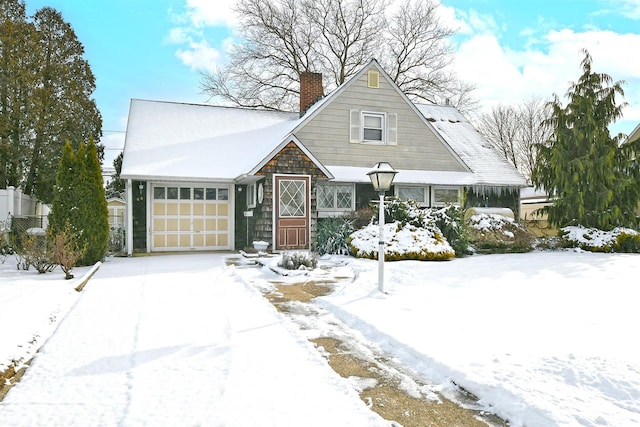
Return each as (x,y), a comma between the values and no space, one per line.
(292,211)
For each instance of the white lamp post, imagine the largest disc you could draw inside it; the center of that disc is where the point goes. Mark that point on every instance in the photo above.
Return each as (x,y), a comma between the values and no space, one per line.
(381,177)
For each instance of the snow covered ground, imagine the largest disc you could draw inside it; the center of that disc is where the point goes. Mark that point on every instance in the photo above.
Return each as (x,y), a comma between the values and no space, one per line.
(543,339)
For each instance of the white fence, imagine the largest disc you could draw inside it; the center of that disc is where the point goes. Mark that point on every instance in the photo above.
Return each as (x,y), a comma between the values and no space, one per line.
(14,203)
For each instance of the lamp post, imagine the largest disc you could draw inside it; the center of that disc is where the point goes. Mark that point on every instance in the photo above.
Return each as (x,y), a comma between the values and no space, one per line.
(381,177)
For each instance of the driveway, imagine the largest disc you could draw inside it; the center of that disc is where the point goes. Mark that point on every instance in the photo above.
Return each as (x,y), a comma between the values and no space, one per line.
(178,340)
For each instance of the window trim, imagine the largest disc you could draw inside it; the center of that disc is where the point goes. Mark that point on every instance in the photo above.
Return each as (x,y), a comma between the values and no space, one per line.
(323,211)
(435,203)
(251,195)
(383,128)
(426,192)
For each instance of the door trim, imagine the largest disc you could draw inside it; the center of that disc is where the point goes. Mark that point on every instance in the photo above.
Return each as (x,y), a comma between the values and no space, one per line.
(275,208)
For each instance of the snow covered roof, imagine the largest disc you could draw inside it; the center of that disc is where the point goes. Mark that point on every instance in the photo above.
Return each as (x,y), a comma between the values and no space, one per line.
(200,142)
(488,166)
(169,140)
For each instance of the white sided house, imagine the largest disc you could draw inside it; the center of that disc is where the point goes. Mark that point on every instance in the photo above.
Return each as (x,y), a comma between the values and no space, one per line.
(203,177)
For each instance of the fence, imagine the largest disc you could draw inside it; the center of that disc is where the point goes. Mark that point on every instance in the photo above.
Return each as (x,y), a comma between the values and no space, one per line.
(14,202)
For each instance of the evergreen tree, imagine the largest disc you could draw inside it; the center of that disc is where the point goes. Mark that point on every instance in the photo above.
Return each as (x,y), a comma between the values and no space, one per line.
(594,178)
(66,193)
(115,186)
(45,97)
(79,198)
(95,214)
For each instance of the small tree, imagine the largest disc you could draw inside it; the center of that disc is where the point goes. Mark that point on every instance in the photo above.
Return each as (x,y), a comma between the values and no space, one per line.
(64,249)
(595,179)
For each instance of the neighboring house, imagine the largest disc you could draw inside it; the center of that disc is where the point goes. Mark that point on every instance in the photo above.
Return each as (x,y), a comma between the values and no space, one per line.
(203,177)
(117,209)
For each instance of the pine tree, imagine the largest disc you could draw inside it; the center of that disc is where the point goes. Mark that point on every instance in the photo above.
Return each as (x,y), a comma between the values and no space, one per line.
(593,176)
(79,198)
(66,196)
(94,205)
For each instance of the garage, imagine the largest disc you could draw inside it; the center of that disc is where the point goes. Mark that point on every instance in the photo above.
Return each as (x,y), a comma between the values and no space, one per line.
(195,217)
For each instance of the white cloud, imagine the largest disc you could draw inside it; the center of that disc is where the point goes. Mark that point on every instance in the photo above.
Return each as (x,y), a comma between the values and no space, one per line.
(211,13)
(199,56)
(545,65)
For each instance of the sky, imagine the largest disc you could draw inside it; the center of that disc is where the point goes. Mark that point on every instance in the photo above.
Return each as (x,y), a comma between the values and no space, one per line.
(510,50)
(541,338)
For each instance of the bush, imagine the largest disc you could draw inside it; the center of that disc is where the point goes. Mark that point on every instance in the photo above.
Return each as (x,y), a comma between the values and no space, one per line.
(450,221)
(402,242)
(65,251)
(595,240)
(333,235)
(298,261)
(33,251)
(491,233)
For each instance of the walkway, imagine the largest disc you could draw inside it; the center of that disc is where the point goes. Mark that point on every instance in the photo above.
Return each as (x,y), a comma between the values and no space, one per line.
(178,340)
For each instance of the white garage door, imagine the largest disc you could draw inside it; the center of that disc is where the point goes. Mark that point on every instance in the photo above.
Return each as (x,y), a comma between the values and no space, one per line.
(190,218)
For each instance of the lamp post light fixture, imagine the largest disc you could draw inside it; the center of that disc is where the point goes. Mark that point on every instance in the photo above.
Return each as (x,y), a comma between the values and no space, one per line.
(381,177)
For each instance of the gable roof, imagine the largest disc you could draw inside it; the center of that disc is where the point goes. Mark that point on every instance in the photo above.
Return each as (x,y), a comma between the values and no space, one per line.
(201,142)
(169,140)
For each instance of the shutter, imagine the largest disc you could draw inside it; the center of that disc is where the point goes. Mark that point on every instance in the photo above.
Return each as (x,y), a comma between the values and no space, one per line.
(354,129)
(392,129)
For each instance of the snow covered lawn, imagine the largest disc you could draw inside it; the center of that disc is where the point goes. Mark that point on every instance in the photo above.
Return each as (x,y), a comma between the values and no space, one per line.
(543,339)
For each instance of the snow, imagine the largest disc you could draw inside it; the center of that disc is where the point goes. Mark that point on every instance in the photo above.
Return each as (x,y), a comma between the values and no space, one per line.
(546,338)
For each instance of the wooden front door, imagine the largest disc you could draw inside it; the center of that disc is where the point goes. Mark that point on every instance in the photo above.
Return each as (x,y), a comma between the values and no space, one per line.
(292,211)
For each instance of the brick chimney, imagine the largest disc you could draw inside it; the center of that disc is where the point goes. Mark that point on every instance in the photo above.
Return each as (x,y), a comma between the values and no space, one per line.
(310,90)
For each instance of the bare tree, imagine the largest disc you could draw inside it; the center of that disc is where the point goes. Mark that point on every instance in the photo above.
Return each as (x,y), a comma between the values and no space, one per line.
(516,131)
(500,127)
(534,131)
(282,38)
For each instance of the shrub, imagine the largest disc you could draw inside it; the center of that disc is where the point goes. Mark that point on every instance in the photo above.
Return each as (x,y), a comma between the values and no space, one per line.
(491,233)
(33,251)
(450,221)
(595,240)
(298,261)
(402,241)
(333,236)
(64,250)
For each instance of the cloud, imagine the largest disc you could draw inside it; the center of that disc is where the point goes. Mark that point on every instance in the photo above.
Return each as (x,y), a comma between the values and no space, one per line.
(211,13)
(199,56)
(544,65)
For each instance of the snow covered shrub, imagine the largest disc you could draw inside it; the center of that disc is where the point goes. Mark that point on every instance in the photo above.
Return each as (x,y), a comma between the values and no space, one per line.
(402,241)
(490,233)
(298,261)
(34,251)
(450,221)
(405,212)
(595,240)
(333,235)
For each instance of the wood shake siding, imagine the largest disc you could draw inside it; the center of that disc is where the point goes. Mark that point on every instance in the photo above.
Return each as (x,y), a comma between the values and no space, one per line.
(327,134)
(290,160)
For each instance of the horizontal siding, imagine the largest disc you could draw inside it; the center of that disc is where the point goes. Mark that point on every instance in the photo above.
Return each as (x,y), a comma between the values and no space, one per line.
(418,148)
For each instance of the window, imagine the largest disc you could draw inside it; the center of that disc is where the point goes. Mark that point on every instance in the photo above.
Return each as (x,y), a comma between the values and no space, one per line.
(418,194)
(158,193)
(185,193)
(335,197)
(251,195)
(445,195)
(373,127)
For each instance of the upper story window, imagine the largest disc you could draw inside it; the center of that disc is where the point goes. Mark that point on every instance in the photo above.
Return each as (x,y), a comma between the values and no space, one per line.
(371,127)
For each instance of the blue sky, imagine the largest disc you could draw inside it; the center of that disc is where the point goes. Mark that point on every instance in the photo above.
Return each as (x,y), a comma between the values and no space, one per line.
(510,49)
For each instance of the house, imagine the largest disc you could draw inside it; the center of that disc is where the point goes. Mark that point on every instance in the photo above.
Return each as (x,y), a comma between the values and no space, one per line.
(204,177)
(116,207)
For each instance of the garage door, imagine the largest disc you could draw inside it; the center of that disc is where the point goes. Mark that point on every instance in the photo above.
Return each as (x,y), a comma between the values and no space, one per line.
(190,218)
